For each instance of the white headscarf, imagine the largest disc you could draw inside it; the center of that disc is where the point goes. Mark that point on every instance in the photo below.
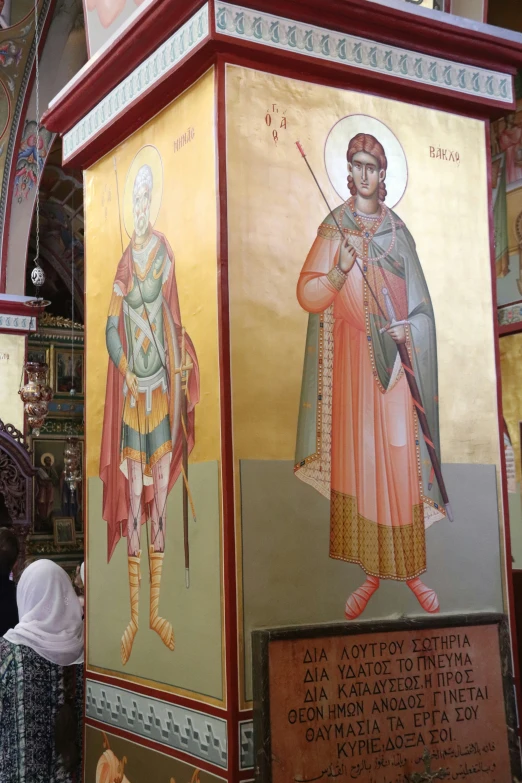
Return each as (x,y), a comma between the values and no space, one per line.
(50,614)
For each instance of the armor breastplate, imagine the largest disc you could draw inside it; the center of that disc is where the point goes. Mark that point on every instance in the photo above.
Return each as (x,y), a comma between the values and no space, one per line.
(144,329)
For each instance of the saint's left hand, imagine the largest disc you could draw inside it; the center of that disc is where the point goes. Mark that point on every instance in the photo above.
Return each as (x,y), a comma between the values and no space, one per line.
(397,333)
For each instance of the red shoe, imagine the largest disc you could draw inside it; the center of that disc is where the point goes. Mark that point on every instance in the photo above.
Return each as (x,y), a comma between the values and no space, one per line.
(424,595)
(356,603)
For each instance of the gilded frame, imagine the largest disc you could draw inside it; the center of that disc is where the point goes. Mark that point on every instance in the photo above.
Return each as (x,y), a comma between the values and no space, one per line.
(64,522)
(35,451)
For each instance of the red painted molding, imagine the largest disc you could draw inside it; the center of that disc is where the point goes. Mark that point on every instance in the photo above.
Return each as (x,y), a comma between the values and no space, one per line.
(504,487)
(427,32)
(306,68)
(227,455)
(145,106)
(506,329)
(106,70)
(21,333)
(14,305)
(292,65)
(433,33)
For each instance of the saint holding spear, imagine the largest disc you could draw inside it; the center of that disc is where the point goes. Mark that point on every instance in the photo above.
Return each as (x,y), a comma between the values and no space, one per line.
(152,390)
(368,432)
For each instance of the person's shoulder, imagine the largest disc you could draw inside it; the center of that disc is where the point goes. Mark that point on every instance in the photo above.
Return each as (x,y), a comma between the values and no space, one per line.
(399,224)
(6,656)
(163,246)
(163,242)
(328,228)
(334,216)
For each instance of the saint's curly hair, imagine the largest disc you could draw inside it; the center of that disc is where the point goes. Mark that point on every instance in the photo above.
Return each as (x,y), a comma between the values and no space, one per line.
(365,142)
(143,177)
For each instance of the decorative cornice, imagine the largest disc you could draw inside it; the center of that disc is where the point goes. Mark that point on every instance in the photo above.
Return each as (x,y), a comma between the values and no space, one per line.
(48,320)
(46,336)
(175,49)
(65,427)
(45,546)
(356,52)
(195,733)
(17,323)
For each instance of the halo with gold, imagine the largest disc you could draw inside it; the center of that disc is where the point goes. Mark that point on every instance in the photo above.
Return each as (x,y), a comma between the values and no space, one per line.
(44,457)
(146,156)
(336,147)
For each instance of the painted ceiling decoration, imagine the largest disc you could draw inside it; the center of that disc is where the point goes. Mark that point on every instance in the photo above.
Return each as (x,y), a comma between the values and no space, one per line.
(25,145)
(17,50)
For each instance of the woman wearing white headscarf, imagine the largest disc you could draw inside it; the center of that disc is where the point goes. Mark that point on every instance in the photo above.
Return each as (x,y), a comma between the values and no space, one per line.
(41,681)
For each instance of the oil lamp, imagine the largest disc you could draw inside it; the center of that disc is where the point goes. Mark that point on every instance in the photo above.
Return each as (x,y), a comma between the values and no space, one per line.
(72,464)
(36,395)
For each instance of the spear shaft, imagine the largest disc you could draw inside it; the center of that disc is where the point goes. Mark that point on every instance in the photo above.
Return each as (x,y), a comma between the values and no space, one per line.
(405,361)
(370,289)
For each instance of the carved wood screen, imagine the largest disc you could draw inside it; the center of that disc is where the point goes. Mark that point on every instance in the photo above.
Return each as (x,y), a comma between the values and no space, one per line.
(16,483)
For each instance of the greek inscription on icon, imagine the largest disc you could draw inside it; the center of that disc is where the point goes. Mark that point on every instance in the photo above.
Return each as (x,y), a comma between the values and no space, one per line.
(276,121)
(452,156)
(184,139)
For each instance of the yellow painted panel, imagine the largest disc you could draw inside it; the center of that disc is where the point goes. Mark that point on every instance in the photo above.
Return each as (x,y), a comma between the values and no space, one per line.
(274,212)
(12,356)
(187,217)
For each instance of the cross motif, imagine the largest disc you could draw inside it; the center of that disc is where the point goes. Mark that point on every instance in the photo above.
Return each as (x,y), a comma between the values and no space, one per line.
(428,775)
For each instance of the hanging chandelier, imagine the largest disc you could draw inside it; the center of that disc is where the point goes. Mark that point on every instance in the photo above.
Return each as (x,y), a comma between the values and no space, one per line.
(37,274)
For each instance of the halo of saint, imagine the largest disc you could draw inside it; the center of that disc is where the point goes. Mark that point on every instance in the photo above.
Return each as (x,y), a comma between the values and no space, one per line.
(146,156)
(335,155)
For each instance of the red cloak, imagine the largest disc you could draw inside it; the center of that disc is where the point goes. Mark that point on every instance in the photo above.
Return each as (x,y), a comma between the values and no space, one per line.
(115,485)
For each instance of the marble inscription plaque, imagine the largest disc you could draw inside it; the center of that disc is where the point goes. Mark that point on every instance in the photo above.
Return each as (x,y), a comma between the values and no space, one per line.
(365,706)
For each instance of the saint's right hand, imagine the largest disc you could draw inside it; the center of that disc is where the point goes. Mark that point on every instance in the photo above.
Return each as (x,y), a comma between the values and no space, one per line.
(132,383)
(347,256)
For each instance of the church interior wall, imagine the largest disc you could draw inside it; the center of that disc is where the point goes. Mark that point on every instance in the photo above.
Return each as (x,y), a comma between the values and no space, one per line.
(241,212)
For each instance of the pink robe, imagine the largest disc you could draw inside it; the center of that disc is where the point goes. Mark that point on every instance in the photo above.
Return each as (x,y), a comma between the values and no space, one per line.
(377,517)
